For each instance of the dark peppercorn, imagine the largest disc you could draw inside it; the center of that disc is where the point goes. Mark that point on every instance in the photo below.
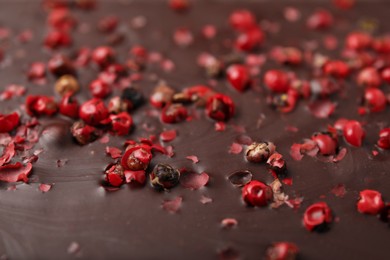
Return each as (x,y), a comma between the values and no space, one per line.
(133,95)
(259,152)
(164,176)
(83,133)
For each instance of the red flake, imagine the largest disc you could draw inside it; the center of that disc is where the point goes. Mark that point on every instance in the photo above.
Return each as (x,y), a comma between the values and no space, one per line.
(322,108)
(291,129)
(339,190)
(340,155)
(105,139)
(183,37)
(295,203)
(244,139)
(209,31)
(114,152)
(220,126)
(73,248)
(8,154)
(229,222)
(138,176)
(374,152)
(276,160)
(194,181)
(12,91)
(330,42)
(172,206)
(169,151)
(168,135)
(44,187)
(193,158)
(5,139)
(15,172)
(11,188)
(235,148)
(239,129)
(61,162)
(295,152)
(205,199)
(292,14)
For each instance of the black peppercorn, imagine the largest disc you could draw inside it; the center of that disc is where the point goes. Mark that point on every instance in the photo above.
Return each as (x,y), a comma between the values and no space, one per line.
(259,152)
(164,176)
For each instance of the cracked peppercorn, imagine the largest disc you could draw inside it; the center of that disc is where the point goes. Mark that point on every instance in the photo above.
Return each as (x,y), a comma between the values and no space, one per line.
(259,152)
(164,176)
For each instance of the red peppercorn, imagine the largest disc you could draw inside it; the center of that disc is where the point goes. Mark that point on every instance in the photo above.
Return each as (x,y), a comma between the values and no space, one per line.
(69,106)
(179,5)
(103,56)
(386,75)
(340,123)
(257,193)
(282,251)
(61,19)
(242,20)
(93,112)
(161,96)
(84,134)
(238,76)
(358,41)
(121,123)
(287,55)
(276,81)
(370,202)
(99,88)
(136,158)
(40,105)
(108,23)
(9,122)
(115,176)
(381,44)
(183,36)
(354,133)
(60,65)
(220,107)
(344,4)
(320,19)
(375,99)
(173,113)
(56,39)
(369,77)
(36,71)
(325,143)
(317,216)
(336,68)
(384,138)
(249,39)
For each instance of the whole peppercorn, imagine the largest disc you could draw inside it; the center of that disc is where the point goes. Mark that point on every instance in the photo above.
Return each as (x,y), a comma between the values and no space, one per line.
(121,123)
(69,106)
(370,202)
(238,76)
(320,19)
(164,176)
(220,107)
(386,75)
(9,122)
(41,105)
(117,105)
(257,193)
(103,56)
(358,41)
(60,65)
(282,251)
(161,95)
(259,152)
(375,99)
(84,134)
(115,175)
(174,113)
(136,158)
(99,88)
(326,144)
(66,84)
(56,39)
(133,96)
(93,112)
(384,138)
(369,77)
(242,19)
(336,68)
(317,217)
(249,39)
(276,81)
(354,133)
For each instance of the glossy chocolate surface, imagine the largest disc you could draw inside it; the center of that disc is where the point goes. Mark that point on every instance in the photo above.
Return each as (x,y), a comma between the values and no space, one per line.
(130,223)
